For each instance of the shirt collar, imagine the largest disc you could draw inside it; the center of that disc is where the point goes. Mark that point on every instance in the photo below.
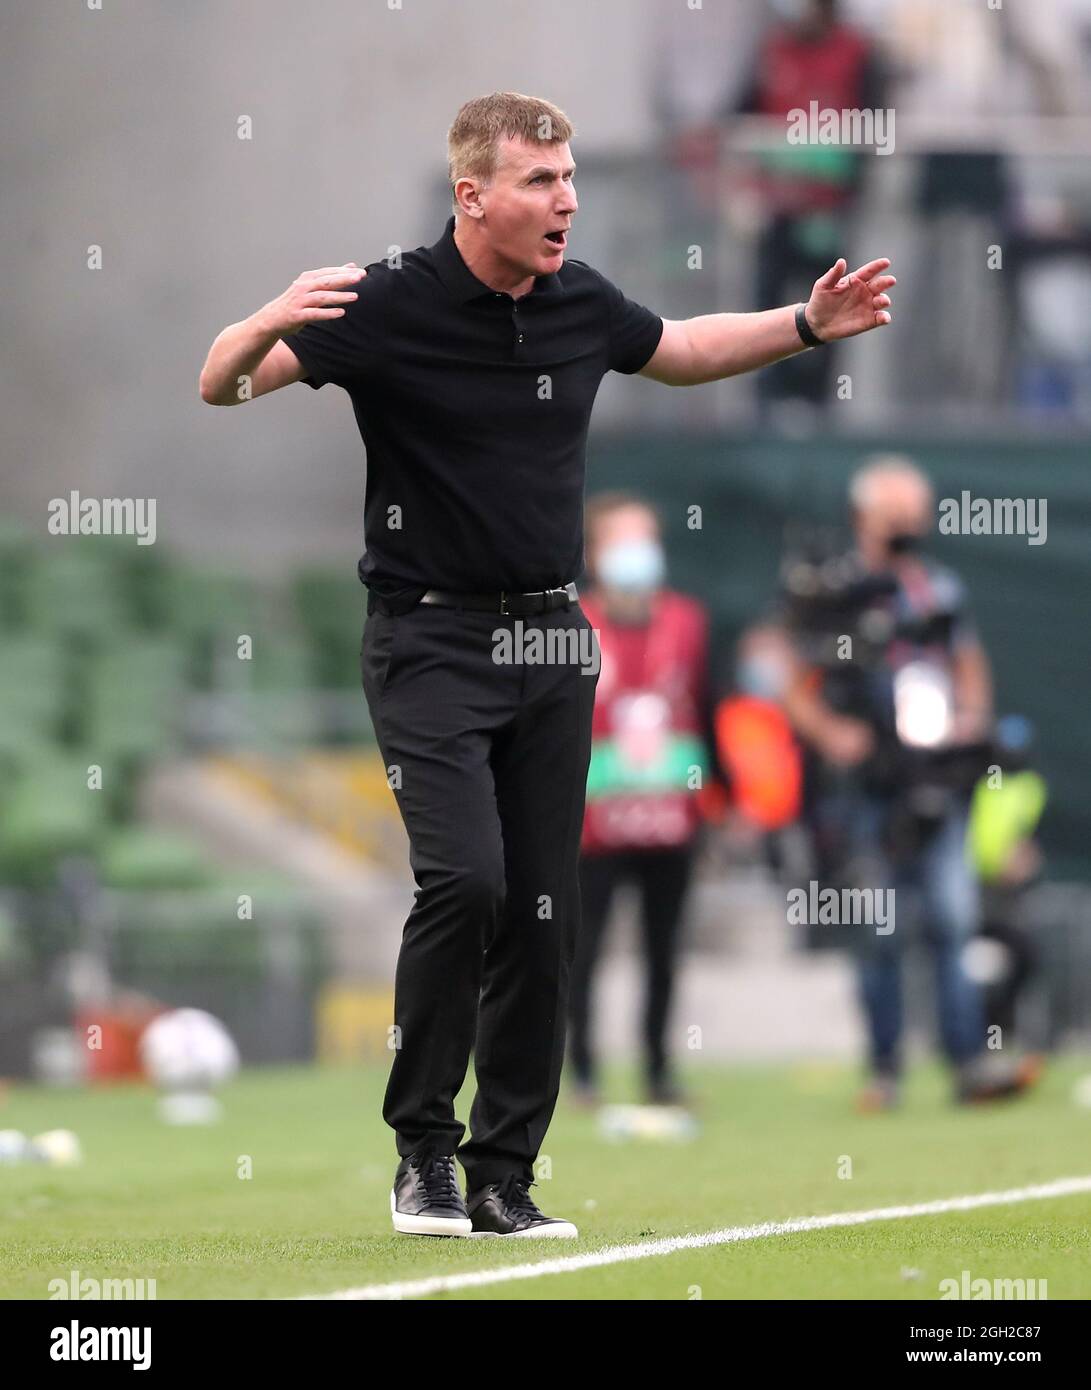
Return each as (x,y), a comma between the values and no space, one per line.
(460,280)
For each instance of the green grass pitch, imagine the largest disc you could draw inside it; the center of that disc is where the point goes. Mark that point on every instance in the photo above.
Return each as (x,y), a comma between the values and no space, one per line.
(150,1201)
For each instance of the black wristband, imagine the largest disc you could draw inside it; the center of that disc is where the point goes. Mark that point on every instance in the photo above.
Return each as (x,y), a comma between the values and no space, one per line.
(804,329)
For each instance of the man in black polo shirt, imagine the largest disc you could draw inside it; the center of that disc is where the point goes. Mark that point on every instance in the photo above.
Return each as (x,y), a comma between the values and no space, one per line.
(472,366)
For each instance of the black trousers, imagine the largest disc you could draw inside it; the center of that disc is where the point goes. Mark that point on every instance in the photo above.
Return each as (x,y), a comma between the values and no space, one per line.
(662,877)
(488,762)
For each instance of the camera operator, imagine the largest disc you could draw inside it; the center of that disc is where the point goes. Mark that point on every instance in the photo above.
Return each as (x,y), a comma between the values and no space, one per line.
(892,695)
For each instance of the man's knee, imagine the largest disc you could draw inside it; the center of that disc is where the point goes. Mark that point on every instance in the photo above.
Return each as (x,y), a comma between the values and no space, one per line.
(477,887)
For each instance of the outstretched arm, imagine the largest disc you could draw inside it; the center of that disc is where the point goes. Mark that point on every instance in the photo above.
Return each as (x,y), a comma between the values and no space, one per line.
(713,346)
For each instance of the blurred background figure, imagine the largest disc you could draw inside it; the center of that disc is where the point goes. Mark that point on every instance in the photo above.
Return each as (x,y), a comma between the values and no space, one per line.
(806,193)
(899,718)
(649,762)
(756,747)
(960,72)
(1005,809)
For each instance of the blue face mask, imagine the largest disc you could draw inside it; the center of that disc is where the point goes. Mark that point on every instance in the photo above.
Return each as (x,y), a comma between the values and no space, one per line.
(761,678)
(635,567)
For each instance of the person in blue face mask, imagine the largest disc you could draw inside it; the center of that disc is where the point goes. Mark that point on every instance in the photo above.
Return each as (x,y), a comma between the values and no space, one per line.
(632,569)
(649,761)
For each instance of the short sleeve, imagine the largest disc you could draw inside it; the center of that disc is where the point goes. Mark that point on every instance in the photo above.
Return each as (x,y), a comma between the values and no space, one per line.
(343,350)
(953,599)
(634,331)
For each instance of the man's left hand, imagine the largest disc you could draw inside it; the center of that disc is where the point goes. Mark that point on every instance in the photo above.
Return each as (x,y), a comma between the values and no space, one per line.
(842,305)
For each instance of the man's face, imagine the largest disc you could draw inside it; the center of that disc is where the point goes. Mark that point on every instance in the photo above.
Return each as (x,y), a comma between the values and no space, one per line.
(898,507)
(531,196)
(623,525)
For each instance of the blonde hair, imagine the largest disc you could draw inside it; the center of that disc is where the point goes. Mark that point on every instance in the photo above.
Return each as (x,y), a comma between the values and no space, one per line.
(866,482)
(483,122)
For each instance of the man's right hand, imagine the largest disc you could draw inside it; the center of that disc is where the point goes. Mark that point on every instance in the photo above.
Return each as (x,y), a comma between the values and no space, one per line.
(313,296)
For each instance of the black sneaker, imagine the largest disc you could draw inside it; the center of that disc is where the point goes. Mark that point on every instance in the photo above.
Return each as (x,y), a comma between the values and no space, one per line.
(507,1209)
(426,1200)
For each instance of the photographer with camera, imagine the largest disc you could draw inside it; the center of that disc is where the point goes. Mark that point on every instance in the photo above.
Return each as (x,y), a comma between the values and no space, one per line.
(892,696)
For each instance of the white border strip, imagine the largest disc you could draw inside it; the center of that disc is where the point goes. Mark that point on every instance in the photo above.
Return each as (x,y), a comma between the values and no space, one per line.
(618,1254)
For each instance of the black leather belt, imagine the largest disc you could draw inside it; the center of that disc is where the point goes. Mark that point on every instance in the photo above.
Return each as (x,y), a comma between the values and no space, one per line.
(515,604)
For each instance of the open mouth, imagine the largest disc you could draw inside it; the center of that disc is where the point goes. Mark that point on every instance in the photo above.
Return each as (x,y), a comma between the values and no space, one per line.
(559,238)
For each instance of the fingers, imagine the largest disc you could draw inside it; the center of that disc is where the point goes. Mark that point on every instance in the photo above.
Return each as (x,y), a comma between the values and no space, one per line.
(881,283)
(327,299)
(331,276)
(321,294)
(881,301)
(834,274)
(344,277)
(881,318)
(329,270)
(869,271)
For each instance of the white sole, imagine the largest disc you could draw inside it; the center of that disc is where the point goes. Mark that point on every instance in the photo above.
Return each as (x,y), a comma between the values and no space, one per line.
(407,1225)
(558,1230)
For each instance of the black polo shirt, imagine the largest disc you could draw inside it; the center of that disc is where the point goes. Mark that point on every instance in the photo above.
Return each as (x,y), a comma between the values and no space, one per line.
(474,408)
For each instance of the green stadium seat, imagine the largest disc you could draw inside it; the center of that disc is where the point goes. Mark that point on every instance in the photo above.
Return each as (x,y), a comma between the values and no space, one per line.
(49,814)
(142,857)
(332,608)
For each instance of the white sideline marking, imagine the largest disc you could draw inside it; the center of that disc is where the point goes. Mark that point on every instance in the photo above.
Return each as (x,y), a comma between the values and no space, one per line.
(617,1254)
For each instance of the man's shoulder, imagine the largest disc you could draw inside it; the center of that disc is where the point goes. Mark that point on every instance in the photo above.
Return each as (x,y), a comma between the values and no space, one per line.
(396,270)
(593,288)
(578,274)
